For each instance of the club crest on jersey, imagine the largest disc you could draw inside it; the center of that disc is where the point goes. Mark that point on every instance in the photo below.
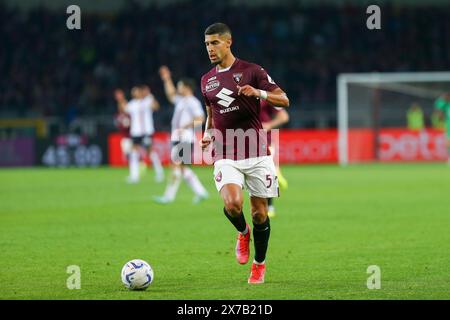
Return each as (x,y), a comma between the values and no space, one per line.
(237,77)
(210,86)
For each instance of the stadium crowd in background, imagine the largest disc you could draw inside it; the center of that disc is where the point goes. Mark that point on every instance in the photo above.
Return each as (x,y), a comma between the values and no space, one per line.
(57,72)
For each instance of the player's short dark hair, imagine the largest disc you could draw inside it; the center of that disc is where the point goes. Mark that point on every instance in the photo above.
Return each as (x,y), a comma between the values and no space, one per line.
(188,82)
(217,28)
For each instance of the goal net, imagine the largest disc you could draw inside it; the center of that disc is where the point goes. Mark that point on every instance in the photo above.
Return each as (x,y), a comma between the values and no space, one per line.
(390,117)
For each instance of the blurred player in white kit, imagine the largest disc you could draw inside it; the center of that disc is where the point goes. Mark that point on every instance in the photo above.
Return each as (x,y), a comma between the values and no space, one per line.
(140,109)
(187,115)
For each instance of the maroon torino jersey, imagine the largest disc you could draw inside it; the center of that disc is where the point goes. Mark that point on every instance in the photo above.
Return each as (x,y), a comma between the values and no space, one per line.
(122,121)
(230,111)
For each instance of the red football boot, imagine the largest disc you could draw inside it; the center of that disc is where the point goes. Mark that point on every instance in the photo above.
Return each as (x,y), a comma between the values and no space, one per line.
(257,273)
(243,247)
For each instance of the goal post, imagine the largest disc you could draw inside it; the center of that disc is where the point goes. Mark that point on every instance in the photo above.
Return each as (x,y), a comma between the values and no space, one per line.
(368,103)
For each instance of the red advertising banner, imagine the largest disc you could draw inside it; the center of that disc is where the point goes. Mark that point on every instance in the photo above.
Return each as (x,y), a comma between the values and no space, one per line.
(308,146)
(320,146)
(296,146)
(406,145)
(116,158)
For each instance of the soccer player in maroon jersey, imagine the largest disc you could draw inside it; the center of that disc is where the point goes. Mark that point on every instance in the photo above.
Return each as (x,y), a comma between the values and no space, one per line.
(232,90)
(271,118)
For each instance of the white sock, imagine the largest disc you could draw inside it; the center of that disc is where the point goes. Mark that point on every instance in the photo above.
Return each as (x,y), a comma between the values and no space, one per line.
(256,262)
(245,231)
(192,180)
(134,165)
(156,162)
(173,184)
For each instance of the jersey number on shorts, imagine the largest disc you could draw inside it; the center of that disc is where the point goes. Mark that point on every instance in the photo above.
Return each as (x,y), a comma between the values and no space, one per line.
(269,178)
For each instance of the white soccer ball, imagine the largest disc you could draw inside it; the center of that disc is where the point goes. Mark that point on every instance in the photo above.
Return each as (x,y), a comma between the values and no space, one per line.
(137,274)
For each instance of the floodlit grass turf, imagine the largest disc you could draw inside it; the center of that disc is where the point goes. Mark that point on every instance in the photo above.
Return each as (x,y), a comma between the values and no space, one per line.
(332,224)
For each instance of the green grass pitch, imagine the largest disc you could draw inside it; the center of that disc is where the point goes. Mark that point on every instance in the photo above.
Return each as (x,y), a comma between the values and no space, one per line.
(332,224)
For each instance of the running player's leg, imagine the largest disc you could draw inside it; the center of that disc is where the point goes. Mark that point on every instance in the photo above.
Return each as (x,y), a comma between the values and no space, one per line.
(156,162)
(176,175)
(185,153)
(261,227)
(262,183)
(229,181)
(126,145)
(232,198)
(172,185)
(194,183)
(133,162)
(261,234)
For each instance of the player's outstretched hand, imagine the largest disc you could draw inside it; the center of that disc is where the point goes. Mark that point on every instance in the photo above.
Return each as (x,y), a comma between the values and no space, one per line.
(248,91)
(164,73)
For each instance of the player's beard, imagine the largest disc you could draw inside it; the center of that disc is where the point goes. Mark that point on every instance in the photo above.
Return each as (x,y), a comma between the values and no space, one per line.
(215,63)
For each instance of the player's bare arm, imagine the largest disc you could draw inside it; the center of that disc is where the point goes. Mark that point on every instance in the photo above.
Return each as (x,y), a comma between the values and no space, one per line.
(147,92)
(280,118)
(206,140)
(155,104)
(277,97)
(169,87)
